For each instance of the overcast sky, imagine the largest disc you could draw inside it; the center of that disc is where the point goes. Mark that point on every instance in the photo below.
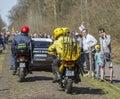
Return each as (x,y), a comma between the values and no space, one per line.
(5,6)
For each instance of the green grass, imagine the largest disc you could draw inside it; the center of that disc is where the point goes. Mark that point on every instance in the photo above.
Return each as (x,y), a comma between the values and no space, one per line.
(2,59)
(118,86)
(116,63)
(110,90)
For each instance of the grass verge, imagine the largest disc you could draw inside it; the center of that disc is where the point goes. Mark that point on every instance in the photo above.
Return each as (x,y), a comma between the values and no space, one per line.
(2,59)
(116,63)
(111,92)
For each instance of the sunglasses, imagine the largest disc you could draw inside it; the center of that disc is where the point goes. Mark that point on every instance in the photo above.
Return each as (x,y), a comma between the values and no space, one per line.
(100,32)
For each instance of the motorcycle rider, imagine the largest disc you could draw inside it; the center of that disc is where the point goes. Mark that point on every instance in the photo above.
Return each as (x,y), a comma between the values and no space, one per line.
(60,35)
(22,38)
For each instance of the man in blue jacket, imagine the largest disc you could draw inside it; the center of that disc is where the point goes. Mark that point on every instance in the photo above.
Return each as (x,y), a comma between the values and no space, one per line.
(22,38)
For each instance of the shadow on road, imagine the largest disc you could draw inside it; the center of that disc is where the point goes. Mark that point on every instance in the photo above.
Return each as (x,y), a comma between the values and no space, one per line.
(37,78)
(116,81)
(87,90)
(4,89)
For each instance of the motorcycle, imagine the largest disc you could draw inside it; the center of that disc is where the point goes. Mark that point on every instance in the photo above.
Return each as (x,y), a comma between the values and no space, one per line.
(22,63)
(68,71)
(68,67)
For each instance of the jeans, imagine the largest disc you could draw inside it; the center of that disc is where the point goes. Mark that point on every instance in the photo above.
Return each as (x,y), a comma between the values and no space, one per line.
(4,46)
(55,65)
(82,58)
(87,60)
(81,61)
(97,70)
(86,55)
(12,58)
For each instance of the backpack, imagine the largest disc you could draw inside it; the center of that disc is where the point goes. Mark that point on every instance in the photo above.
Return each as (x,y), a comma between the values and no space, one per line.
(71,49)
(22,49)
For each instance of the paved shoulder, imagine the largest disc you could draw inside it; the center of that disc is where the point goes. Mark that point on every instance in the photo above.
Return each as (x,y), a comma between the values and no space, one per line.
(116,74)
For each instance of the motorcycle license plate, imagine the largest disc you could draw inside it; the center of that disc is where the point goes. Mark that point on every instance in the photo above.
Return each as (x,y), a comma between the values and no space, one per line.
(69,73)
(22,65)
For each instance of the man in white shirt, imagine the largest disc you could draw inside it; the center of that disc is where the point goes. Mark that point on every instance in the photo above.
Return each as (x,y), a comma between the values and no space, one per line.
(88,46)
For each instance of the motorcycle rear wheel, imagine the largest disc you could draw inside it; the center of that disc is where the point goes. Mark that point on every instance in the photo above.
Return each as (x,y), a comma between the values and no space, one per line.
(69,86)
(21,74)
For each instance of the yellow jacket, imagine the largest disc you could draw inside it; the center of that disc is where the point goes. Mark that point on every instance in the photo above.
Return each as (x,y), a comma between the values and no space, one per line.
(65,48)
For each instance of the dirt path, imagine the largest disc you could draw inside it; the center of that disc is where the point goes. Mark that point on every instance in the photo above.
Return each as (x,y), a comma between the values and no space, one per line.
(39,86)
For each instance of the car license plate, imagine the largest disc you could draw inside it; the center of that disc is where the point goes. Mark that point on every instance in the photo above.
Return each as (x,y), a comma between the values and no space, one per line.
(69,73)
(22,65)
(40,55)
(40,59)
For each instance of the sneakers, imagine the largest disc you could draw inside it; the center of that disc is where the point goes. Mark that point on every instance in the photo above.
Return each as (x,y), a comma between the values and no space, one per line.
(54,80)
(12,67)
(90,74)
(29,71)
(87,74)
(14,72)
(111,81)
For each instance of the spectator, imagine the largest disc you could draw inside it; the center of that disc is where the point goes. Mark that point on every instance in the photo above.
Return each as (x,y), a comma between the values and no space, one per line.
(3,40)
(7,36)
(88,47)
(105,43)
(1,43)
(98,61)
(34,35)
(78,38)
(48,36)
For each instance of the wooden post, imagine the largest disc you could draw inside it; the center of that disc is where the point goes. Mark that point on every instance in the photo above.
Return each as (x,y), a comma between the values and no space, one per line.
(55,12)
(90,61)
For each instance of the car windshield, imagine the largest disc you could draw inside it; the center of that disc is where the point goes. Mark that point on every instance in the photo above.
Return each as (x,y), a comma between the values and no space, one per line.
(41,44)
